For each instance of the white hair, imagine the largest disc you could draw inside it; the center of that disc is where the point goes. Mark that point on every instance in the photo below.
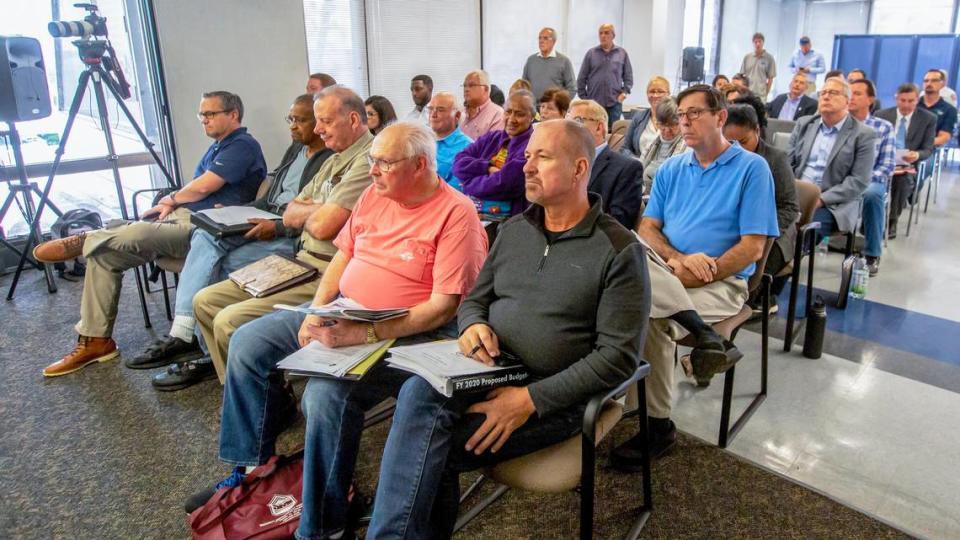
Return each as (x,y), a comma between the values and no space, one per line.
(456,101)
(481,75)
(415,139)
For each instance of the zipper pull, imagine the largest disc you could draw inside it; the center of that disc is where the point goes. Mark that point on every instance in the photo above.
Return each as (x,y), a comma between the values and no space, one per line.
(543,259)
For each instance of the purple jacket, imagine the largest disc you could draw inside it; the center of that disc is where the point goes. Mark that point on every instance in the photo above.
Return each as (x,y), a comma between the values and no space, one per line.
(471,165)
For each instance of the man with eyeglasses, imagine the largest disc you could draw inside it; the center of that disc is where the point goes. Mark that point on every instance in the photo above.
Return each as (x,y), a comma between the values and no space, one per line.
(836,152)
(421,90)
(412,241)
(933,83)
(210,259)
(615,177)
(229,173)
(444,114)
(482,115)
(606,75)
(547,68)
(709,216)
(320,209)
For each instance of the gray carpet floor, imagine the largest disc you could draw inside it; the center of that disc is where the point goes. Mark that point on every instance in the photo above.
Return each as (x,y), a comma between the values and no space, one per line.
(100,454)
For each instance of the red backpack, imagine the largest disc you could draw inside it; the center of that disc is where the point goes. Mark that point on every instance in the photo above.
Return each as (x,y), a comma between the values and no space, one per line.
(266,506)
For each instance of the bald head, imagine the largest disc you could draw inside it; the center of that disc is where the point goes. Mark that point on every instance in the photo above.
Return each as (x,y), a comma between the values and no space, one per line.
(559,155)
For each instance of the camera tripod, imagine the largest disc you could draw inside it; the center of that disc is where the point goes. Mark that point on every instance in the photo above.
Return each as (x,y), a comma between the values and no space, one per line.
(91,53)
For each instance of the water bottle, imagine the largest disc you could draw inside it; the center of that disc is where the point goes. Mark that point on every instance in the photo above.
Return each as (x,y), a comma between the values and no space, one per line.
(822,248)
(859,279)
(815,327)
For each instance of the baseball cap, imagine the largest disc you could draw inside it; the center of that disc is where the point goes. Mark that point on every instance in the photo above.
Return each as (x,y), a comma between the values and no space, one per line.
(804,40)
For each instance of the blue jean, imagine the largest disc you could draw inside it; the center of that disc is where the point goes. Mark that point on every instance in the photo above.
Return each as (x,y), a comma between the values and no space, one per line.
(210,260)
(418,492)
(254,399)
(614,112)
(828,225)
(874,218)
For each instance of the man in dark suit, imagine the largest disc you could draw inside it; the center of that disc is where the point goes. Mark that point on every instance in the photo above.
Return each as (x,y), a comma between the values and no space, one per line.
(794,104)
(616,178)
(835,151)
(914,130)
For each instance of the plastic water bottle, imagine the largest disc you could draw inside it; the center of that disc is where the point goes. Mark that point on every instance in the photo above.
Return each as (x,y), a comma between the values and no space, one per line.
(859,279)
(822,248)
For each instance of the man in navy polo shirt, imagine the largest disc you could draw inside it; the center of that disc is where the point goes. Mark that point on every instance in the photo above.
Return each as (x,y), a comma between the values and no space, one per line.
(709,217)
(933,83)
(229,174)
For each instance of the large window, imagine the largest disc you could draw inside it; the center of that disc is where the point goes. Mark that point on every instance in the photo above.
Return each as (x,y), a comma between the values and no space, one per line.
(700,22)
(913,17)
(337,41)
(94,188)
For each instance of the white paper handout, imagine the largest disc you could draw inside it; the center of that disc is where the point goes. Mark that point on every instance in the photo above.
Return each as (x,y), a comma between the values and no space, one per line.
(345,308)
(653,255)
(317,358)
(236,215)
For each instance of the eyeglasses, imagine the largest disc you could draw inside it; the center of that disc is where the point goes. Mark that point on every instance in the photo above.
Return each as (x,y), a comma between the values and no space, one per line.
(938,79)
(582,119)
(471,85)
(831,93)
(438,110)
(693,113)
(657,91)
(299,120)
(382,164)
(207,115)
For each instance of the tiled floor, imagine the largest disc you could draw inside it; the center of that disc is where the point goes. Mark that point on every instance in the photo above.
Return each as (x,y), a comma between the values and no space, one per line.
(866,427)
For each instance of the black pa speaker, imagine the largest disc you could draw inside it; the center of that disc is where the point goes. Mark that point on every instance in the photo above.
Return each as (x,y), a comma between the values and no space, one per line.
(692,67)
(23,82)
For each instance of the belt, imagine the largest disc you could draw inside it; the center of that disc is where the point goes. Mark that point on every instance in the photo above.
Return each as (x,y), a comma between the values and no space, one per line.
(321,256)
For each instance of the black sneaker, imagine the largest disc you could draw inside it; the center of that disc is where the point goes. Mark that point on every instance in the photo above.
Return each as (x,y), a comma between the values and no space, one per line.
(892,231)
(200,498)
(873,265)
(628,456)
(708,361)
(168,350)
(185,375)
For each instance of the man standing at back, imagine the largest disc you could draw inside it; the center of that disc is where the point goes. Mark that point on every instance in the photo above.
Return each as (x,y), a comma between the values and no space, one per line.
(421,90)
(606,75)
(809,62)
(760,67)
(548,68)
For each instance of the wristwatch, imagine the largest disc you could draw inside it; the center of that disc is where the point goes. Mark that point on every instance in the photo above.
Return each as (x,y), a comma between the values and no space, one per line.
(173,197)
(372,334)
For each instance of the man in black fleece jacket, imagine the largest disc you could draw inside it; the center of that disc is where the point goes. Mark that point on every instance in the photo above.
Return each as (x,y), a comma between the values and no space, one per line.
(565,288)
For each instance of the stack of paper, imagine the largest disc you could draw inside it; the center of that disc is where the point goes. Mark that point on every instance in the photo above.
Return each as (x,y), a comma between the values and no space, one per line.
(345,308)
(442,365)
(353,362)
(237,215)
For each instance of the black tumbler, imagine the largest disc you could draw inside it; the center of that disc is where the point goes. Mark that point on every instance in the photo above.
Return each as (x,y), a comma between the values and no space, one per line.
(816,326)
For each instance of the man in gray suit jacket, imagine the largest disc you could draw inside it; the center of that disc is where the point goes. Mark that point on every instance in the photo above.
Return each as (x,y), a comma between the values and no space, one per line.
(836,152)
(914,130)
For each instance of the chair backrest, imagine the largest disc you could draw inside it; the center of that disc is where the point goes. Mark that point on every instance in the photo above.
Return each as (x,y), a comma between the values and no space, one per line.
(754,280)
(808,194)
(775,125)
(617,134)
(264,186)
(780,140)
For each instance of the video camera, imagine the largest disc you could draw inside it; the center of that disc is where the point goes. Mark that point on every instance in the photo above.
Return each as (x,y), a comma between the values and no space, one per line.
(93,51)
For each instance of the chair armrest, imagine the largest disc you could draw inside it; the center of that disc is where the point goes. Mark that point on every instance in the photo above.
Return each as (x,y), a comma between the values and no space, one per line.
(133,197)
(809,227)
(596,403)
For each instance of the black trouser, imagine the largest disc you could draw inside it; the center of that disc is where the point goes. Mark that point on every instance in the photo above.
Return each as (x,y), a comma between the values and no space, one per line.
(900,191)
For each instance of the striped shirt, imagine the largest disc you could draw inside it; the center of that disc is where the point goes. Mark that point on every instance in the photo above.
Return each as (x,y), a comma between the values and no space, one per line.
(885,147)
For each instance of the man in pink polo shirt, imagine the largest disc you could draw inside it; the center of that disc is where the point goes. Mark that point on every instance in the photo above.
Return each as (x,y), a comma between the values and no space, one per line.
(412,241)
(482,115)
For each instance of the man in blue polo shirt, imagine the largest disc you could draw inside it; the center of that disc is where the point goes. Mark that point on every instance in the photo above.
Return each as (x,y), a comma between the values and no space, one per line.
(229,174)
(709,217)
(444,117)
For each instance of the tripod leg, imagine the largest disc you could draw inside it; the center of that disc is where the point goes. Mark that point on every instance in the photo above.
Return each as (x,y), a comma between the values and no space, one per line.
(45,196)
(98,76)
(143,136)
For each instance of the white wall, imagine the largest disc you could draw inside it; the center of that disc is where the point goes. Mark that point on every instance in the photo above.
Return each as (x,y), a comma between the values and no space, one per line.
(653,36)
(254,49)
(510,35)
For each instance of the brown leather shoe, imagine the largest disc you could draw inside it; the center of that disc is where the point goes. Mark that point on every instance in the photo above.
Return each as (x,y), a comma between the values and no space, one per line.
(60,250)
(87,351)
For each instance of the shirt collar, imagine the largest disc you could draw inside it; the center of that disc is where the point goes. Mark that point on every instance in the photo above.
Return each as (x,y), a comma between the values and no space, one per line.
(358,146)
(907,117)
(794,100)
(233,134)
(456,133)
(600,149)
(535,214)
(728,154)
(824,128)
(553,53)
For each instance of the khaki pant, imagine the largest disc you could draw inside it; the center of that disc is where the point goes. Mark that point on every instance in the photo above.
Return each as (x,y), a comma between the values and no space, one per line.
(111,252)
(223,307)
(714,302)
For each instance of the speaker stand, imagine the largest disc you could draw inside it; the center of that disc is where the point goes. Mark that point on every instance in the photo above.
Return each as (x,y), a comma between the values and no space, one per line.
(27,189)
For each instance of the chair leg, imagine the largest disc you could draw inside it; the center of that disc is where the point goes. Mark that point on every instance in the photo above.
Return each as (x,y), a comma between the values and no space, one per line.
(143,299)
(166,294)
(647,508)
(725,406)
(474,511)
(588,472)
(851,241)
(794,286)
(481,479)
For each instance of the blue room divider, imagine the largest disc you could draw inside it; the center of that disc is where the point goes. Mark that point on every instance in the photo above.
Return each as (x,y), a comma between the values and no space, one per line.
(891,60)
